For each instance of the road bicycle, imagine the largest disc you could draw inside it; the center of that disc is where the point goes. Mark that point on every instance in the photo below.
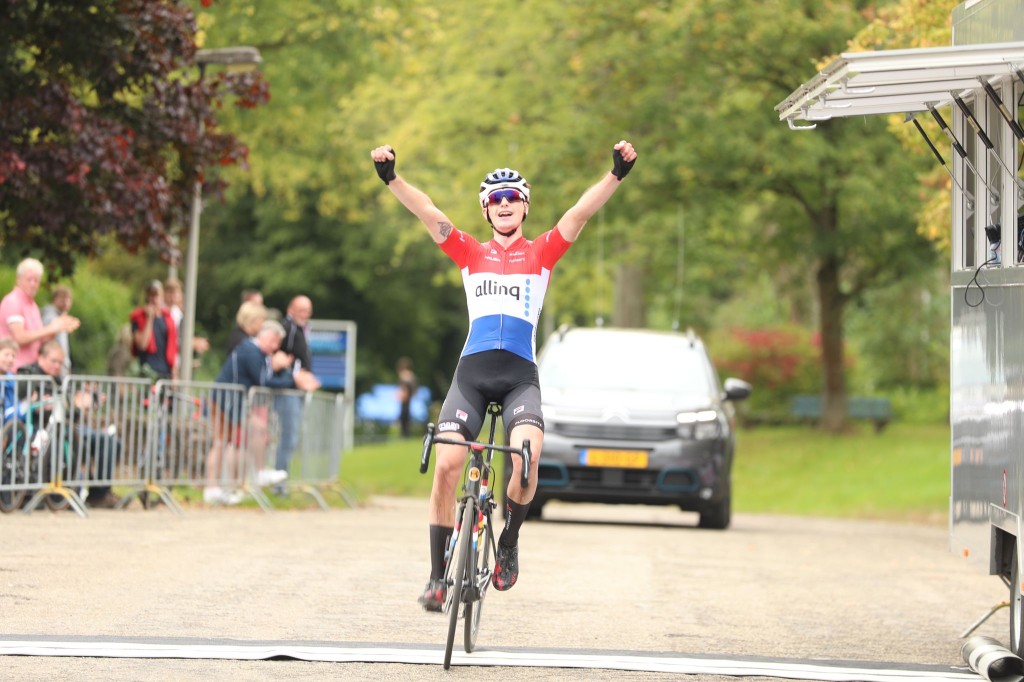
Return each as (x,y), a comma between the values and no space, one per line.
(472,548)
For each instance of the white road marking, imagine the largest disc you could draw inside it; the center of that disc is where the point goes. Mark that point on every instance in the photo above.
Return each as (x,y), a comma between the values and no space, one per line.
(671,663)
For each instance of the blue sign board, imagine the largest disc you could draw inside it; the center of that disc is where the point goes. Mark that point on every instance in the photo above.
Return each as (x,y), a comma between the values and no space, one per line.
(332,349)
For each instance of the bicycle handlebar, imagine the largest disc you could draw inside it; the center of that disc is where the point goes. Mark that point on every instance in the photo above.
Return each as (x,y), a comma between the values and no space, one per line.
(430,439)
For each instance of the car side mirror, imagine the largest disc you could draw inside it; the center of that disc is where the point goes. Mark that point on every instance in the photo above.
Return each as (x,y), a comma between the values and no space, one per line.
(737,389)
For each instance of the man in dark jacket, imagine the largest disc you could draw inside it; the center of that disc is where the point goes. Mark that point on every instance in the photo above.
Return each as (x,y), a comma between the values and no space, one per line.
(289,405)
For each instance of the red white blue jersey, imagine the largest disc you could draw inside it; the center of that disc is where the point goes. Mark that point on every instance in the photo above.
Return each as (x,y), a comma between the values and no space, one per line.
(505,288)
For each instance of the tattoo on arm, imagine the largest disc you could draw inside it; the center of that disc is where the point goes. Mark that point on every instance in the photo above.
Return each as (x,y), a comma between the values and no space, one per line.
(445,229)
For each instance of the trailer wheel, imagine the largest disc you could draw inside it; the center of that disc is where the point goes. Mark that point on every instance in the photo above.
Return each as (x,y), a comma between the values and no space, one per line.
(1016,607)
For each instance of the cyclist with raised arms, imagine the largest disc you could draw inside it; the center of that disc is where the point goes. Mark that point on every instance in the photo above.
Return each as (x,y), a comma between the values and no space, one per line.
(505,281)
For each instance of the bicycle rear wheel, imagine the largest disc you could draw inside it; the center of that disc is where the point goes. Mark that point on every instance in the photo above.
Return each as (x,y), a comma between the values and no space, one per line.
(461,575)
(13,465)
(481,568)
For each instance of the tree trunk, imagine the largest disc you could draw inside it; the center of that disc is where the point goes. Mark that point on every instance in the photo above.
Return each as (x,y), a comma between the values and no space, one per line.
(831,303)
(629,296)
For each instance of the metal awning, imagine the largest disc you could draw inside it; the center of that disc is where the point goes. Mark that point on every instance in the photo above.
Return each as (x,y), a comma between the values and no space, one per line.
(900,81)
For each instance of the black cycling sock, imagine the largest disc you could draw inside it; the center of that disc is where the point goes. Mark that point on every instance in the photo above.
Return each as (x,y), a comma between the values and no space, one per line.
(440,536)
(515,514)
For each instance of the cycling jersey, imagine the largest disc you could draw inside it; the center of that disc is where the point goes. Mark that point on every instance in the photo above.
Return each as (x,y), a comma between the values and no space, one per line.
(505,288)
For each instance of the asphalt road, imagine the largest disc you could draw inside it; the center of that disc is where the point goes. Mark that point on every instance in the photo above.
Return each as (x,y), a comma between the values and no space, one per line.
(593,579)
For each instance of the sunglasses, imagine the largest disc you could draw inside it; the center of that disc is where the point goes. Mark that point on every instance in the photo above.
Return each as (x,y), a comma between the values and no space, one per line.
(512,195)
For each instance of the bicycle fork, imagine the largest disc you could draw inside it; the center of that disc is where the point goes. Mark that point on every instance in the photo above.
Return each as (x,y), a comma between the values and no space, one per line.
(476,490)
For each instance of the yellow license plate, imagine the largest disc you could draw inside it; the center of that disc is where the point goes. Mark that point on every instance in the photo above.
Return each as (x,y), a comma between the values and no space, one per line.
(629,459)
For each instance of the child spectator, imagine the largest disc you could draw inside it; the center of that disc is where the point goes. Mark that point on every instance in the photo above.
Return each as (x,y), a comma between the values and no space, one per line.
(8,389)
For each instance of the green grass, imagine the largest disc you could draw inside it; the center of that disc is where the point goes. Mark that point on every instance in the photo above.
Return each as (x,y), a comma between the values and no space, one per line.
(902,473)
(388,468)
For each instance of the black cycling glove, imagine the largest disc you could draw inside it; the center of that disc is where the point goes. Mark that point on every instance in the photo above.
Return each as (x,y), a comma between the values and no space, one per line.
(386,169)
(621,167)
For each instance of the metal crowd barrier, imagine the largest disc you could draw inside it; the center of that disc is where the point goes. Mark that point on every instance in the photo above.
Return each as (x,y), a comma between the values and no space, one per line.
(34,458)
(106,432)
(59,441)
(198,437)
(302,434)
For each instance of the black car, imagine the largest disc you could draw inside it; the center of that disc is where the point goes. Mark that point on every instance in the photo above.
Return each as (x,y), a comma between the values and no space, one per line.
(636,416)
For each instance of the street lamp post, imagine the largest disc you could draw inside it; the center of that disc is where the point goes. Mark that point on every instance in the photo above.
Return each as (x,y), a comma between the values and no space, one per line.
(227,56)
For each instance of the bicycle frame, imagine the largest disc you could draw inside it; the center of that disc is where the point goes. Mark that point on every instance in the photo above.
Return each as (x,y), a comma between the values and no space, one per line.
(467,573)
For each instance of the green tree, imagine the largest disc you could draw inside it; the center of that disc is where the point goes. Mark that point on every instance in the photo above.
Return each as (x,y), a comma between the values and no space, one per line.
(820,204)
(308,216)
(759,211)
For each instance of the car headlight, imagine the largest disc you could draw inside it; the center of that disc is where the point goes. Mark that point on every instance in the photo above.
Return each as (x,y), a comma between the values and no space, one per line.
(700,425)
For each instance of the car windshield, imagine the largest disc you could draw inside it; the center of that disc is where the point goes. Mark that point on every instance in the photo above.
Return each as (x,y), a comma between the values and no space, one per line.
(610,361)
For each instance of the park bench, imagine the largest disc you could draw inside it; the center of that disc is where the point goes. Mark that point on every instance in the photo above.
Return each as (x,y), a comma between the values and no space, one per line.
(876,410)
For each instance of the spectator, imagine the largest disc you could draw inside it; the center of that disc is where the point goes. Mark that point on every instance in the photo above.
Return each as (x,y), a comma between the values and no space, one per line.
(42,392)
(8,351)
(120,358)
(406,390)
(289,406)
(248,321)
(60,304)
(89,444)
(155,335)
(49,362)
(20,318)
(256,362)
(175,299)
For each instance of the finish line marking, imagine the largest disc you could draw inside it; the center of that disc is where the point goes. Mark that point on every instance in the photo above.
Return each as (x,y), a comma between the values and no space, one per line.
(416,654)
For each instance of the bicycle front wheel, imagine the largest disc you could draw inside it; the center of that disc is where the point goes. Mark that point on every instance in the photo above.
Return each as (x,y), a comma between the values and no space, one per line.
(461,575)
(480,566)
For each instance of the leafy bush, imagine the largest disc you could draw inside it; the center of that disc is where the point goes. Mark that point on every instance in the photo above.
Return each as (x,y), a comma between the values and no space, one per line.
(920,406)
(780,362)
(103,306)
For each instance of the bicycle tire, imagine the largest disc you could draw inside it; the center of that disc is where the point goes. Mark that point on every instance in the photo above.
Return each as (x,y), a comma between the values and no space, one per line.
(13,470)
(449,564)
(481,576)
(460,574)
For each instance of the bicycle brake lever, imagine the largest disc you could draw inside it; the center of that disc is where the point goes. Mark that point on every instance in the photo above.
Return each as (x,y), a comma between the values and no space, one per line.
(428,442)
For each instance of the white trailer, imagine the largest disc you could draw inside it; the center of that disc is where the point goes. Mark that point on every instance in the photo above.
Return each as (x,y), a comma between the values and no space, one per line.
(974,90)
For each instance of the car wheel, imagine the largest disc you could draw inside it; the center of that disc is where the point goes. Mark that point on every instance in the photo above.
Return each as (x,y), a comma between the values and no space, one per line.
(719,515)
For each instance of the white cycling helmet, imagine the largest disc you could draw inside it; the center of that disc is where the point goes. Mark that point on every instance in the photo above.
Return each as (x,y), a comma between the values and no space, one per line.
(501,178)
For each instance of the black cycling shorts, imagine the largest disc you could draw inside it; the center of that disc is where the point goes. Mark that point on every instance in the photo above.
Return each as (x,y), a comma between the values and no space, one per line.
(492,375)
